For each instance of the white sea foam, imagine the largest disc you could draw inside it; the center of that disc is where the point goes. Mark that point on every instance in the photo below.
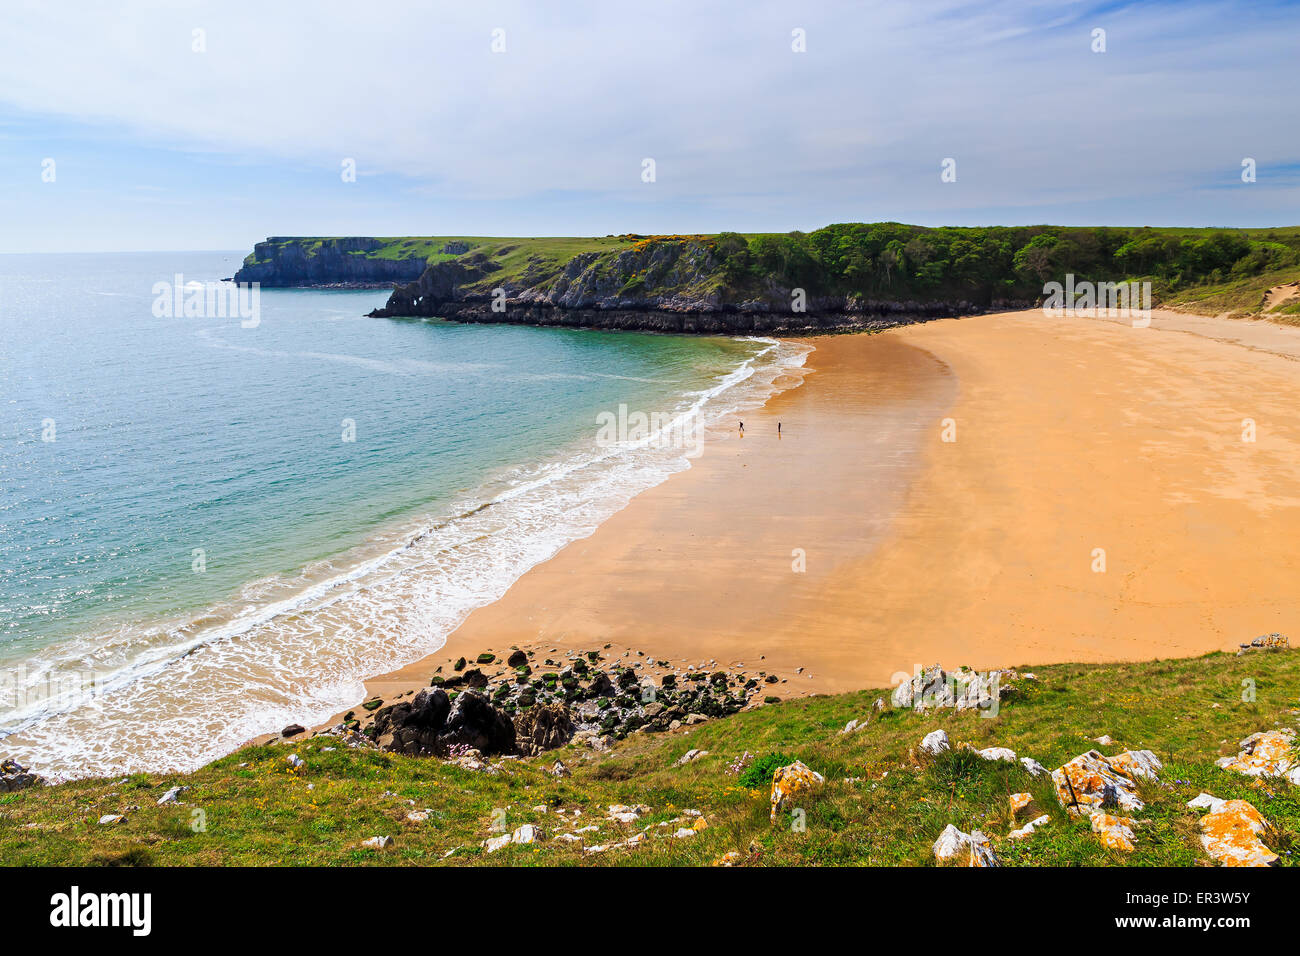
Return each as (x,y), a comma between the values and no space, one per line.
(176,695)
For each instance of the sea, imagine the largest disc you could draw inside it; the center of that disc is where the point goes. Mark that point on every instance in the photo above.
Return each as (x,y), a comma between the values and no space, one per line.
(213,525)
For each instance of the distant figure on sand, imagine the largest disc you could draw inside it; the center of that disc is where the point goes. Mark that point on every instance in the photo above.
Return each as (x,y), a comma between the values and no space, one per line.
(742,429)
(778,429)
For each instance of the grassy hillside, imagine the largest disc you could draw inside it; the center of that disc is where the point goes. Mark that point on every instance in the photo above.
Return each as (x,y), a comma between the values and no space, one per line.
(879,805)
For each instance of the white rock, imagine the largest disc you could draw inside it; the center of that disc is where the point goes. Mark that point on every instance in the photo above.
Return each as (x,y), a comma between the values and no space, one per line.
(684,832)
(1138,763)
(1205,801)
(170,796)
(417,816)
(294,761)
(1028,829)
(528,833)
(1105,740)
(970,849)
(110,818)
(1035,768)
(497,843)
(690,756)
(377,843)
(998,753)
(935,742)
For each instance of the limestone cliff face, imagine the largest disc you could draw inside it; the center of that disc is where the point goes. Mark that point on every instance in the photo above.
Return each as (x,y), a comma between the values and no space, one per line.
(346,262)
(661,287)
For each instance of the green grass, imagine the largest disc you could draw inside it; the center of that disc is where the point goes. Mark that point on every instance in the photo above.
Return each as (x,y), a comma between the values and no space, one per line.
(257,811)
(1238,299)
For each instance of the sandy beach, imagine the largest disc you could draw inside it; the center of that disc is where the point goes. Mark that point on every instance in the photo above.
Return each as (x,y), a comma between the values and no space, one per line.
(1097,502)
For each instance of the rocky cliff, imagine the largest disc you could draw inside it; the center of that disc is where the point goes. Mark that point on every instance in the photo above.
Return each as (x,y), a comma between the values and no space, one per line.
(355,262)
(661,284)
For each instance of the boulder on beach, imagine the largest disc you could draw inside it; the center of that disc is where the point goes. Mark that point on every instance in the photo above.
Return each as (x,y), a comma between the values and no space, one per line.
(475,723)
(413,727)
(543,727)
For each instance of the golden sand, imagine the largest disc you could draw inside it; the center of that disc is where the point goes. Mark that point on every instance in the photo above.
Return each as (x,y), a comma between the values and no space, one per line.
(1098,503)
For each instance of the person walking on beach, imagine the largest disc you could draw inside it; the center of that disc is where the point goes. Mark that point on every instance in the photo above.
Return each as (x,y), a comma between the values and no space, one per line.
(742,429)
(778,429)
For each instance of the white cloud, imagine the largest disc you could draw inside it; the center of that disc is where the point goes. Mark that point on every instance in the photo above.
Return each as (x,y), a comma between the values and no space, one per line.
(712,92)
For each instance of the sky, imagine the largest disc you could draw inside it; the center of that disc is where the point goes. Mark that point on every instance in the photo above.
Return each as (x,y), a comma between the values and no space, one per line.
(187,126)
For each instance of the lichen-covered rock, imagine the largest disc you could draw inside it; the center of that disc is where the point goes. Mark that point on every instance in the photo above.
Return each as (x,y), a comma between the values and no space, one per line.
(1115,832)
(1137,763)
(966,849)
(1022,804)
(1231,834)
(791,784)
(1270,753)
(1266,642)
(1090,782)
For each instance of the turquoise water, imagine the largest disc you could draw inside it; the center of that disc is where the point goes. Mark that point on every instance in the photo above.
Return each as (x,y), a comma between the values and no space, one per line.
(208,530)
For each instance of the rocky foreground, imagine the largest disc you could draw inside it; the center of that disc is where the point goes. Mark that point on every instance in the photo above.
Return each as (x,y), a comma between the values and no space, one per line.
(1168,763)
(511,707)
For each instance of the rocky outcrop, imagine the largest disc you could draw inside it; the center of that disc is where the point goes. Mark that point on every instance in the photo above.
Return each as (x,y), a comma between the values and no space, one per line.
(414,727)
(543,727)
(14,776)
(432,725)
(474,724)
(964,849)
(662,286)
(961,689)
(1092,782)
(1270,753)
(339,263)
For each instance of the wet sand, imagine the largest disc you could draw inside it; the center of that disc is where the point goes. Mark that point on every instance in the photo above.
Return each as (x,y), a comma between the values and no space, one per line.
(1071,435)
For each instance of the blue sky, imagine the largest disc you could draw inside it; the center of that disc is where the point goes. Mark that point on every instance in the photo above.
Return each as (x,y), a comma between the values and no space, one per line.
(159,146)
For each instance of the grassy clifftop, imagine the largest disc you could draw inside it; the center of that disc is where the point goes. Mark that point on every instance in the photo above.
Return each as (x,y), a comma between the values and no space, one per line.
(880,805)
